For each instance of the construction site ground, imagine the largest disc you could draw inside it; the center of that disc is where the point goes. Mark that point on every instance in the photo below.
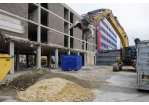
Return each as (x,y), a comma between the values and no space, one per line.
(108,86)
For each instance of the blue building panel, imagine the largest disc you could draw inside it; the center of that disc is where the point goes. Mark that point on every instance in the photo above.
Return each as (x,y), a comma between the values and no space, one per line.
(108,35)
(105,35)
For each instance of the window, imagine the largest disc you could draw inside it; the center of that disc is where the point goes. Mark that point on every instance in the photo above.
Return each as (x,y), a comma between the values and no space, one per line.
(66,14)
(71,17)
(97,27)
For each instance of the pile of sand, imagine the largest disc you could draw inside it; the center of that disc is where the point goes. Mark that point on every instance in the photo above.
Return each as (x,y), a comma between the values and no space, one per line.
(55,90)
(71,78)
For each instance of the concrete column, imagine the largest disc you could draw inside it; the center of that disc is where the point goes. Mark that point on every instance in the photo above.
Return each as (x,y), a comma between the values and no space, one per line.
(39,14)
(26,60)
(68,53)
(68,41)
(85,46)
(69,15)
(39,27)
(39,33)
(78,53)
(68,29)
(84,59)
(56,58)
(11,52)
(38,57)
(18,59)
(49,57)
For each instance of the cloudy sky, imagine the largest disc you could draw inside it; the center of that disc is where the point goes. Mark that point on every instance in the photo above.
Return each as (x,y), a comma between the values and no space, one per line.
(133,17)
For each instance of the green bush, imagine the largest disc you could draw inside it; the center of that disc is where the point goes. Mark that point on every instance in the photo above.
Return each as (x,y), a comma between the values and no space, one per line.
(107,64)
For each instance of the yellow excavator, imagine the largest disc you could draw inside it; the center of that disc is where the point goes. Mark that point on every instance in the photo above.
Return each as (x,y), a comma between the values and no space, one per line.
(127,57)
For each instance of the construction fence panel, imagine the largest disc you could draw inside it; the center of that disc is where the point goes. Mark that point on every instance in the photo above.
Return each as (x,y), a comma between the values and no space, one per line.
(106,57)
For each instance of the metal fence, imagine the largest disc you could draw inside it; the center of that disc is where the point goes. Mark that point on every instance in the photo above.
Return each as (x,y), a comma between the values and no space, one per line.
(106,57)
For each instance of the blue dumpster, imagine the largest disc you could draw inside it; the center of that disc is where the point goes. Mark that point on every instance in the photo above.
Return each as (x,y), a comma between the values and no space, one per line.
(71,62)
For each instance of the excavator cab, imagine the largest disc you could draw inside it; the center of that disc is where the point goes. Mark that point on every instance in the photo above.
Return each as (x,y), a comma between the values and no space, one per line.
(130,54)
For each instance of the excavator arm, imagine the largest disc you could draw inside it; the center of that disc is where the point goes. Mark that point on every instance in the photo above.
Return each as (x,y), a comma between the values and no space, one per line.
(103,13)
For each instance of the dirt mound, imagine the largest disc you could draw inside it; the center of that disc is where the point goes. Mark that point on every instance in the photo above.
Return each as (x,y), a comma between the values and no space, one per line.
(78,81)
(55,90)
(25,80)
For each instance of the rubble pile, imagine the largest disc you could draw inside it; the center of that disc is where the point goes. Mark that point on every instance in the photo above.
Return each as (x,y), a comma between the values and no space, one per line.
(55,90)
(25,80)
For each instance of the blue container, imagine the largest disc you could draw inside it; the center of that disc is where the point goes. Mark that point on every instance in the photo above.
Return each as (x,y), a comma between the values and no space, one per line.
(71,62)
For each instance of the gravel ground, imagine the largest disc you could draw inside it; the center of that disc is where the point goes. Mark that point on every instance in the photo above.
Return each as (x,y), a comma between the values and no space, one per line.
(111,86)
(108,86)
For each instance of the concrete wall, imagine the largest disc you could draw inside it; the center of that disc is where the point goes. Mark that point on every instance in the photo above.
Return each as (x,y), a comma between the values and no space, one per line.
(10,24)
(90,40)
(90,47)
(56,23)
(56,8)
(55,38)
(25,28)
(90,59)
(77,44)
(20,9)
(77,32)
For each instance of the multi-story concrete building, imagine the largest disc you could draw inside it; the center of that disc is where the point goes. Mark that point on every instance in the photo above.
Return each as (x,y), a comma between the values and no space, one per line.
(42,29)
(105,35)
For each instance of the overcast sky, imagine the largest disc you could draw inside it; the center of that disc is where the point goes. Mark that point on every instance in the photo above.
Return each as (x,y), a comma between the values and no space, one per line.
(133,17)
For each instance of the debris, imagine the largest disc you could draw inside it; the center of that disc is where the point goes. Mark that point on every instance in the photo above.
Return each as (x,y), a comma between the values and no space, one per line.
(7,82)
(22,89)
(55,90)
(25,80)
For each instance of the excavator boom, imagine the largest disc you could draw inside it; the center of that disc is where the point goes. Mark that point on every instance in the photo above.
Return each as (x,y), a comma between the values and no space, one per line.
(85,24)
